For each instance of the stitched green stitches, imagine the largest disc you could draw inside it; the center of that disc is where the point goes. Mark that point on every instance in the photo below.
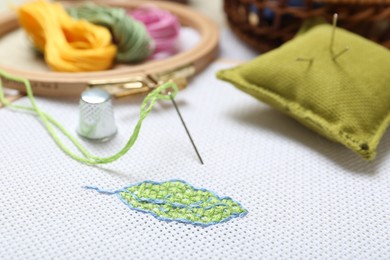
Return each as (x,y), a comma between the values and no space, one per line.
(177,200)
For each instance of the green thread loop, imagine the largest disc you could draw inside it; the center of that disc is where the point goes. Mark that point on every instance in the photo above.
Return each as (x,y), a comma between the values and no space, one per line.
(50,124)
(131,37)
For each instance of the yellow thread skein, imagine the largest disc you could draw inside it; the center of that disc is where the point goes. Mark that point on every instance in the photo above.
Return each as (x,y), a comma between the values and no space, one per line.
(68,45)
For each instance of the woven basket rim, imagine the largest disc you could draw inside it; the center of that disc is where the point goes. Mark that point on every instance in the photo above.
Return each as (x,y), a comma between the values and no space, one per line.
(368,2)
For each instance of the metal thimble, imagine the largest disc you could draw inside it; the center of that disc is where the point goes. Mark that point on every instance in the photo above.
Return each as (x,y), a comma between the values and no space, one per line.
(96,121)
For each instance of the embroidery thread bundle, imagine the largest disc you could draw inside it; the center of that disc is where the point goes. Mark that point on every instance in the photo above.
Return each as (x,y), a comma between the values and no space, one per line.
(51,124)
(162,26)
(176,200)
(91,37)
(68,45)
(131,37)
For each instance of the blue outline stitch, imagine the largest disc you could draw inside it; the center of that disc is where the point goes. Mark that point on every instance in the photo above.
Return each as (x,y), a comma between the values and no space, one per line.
(177,205)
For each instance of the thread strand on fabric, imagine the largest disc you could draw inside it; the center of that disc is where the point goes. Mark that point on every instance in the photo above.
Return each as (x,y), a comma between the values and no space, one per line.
(50,124)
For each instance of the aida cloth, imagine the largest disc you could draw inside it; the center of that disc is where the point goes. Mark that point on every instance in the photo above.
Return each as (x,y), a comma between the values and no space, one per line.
(306,197)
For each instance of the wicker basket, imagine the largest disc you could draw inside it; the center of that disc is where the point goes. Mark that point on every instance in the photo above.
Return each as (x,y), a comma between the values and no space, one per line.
(266,24)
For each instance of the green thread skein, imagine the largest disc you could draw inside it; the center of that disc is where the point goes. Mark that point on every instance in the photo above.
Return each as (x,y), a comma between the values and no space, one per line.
(131,37)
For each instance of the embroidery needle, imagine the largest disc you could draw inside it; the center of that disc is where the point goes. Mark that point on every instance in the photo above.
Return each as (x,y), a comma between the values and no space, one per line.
(340,53)
(185,127)
(334,25)
(181,119)
(306,60)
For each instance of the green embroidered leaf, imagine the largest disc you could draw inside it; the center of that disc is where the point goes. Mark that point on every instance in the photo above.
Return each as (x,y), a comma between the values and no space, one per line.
(177,200)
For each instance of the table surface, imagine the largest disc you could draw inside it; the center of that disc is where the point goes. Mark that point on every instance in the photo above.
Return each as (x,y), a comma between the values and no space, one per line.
(307,197)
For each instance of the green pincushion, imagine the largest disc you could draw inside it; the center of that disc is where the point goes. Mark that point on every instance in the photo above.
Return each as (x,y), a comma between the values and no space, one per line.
(345,99)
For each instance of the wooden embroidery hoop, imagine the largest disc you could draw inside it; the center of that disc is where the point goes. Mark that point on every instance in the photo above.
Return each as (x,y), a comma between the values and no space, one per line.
(127,79)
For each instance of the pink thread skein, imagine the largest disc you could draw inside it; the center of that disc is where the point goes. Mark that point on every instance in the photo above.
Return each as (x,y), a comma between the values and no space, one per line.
(162,26)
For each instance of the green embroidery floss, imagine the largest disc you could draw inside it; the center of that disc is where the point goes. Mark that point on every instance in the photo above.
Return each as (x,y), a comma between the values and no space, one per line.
(50,124)
(131,37)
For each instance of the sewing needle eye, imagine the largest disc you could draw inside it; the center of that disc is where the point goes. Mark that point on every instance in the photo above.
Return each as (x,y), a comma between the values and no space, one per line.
(185,127)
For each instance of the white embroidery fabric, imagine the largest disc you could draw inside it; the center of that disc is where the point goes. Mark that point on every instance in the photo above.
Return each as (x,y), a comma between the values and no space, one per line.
(307,197)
